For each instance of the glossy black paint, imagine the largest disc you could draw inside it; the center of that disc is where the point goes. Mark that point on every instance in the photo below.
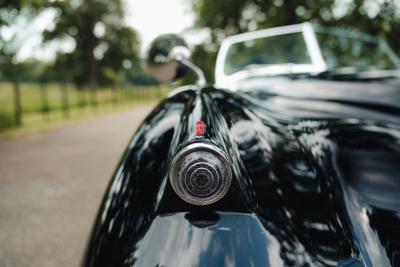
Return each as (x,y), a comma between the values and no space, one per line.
(312,185)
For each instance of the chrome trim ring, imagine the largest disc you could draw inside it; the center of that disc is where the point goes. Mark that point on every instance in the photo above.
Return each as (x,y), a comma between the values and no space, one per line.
(200,174)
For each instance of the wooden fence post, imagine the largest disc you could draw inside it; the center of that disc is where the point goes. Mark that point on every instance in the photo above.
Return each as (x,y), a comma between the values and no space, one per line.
(65,99)
(93,90)
(82,97)
(44,97)
(17,103)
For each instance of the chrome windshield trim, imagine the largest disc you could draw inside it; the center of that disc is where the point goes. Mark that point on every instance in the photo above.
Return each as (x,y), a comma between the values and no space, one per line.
(313,47)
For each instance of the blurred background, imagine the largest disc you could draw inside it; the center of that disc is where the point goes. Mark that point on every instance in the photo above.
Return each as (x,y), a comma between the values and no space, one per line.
(74,87)
(62,59)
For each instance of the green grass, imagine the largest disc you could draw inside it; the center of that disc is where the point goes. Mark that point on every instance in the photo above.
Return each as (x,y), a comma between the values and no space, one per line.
(39,114)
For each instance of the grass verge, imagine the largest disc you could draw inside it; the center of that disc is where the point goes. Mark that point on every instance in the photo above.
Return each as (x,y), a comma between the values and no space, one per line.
(81,107)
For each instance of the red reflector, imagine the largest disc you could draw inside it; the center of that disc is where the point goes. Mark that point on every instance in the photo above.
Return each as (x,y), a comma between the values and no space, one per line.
(200,128)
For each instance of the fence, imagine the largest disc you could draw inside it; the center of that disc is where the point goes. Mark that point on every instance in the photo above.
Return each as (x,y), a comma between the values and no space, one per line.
(45,102)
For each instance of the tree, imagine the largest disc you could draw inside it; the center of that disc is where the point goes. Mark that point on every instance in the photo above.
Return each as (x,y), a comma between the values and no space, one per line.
(11,12)
(104,46)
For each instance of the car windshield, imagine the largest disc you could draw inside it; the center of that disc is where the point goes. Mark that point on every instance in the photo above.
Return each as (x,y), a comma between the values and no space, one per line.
(274,50)
(341,48)
(335,48)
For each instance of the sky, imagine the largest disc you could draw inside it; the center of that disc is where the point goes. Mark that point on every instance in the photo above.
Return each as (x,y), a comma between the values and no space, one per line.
(148,17)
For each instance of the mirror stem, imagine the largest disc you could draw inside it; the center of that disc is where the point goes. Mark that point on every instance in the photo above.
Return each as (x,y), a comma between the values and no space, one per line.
(201,81)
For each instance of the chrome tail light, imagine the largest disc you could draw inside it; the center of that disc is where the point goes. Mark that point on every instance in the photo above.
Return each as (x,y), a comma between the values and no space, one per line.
(200,174)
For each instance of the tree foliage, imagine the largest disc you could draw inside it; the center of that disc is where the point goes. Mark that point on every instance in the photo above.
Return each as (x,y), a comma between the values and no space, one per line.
(104,47)
(10,12)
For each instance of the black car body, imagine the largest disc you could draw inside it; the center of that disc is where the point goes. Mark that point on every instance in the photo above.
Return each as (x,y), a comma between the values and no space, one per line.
(315,162)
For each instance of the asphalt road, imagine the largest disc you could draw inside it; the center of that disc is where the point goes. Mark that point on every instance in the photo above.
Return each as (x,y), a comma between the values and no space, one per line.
(51,185)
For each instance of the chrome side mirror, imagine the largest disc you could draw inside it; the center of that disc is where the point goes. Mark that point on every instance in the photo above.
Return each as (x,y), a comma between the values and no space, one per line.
(169,59)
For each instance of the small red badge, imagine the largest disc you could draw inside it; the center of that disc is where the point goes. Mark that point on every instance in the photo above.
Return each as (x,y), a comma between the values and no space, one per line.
(200,128)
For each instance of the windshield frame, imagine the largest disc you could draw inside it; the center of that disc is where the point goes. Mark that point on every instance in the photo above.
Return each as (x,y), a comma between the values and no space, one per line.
(318,64)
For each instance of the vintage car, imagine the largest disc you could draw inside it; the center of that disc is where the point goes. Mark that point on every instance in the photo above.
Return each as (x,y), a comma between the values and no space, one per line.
(292,158)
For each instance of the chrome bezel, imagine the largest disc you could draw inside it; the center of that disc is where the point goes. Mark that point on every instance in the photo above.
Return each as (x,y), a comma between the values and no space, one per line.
(173,173)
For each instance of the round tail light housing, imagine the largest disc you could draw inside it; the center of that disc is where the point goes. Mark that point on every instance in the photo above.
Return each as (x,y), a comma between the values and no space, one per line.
(200,174)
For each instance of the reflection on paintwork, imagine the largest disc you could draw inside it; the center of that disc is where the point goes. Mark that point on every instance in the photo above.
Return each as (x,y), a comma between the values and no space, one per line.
(315,188)
(234,240)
